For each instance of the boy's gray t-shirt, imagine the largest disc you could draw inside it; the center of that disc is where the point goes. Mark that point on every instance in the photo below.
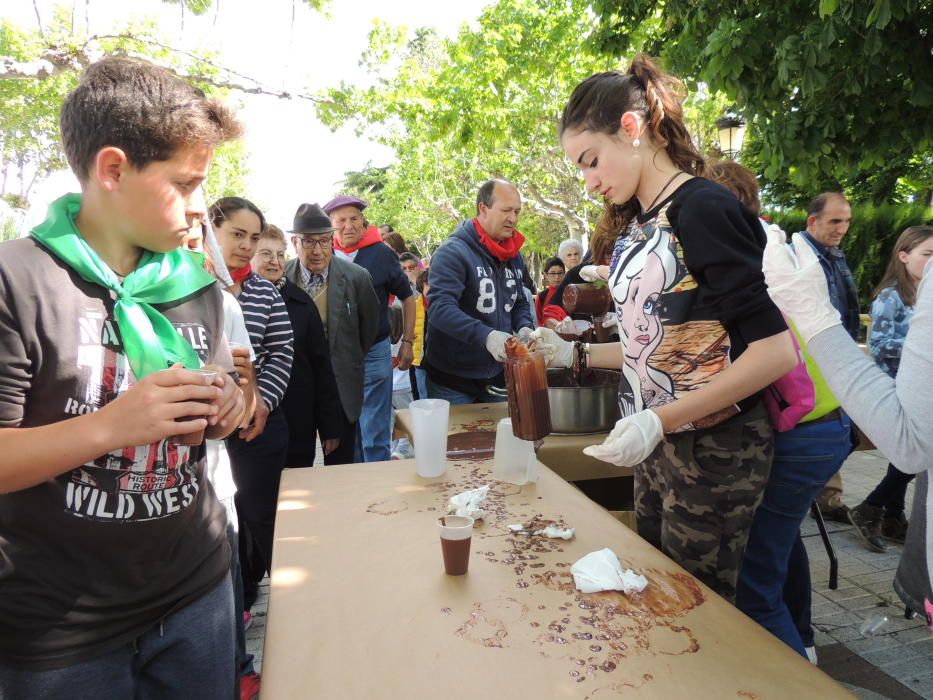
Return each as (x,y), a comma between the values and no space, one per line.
(94,557)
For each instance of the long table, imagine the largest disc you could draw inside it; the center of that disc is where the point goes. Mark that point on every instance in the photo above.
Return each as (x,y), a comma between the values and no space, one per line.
(562,453)
(360,607)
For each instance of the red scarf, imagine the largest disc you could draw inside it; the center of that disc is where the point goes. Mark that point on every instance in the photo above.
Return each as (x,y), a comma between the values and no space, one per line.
(504,250)
(239,275)
(371,237)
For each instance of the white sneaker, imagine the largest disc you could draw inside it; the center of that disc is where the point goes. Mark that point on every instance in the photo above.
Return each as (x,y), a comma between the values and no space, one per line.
(811,654)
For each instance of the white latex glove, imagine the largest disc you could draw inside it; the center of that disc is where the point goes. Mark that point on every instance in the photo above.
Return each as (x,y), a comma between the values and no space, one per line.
(631,441)
(524,332)
(566,326)
(590,273)
(610,320)
(559,352)
(495,344)
(797,284)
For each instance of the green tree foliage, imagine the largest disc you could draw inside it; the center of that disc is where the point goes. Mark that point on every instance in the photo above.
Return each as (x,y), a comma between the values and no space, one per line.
(836,92)
(30,147)
(459,111)
(870,240)
(484,104)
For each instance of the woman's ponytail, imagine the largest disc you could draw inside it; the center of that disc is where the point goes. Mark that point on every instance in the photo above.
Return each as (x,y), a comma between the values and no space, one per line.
(664,96)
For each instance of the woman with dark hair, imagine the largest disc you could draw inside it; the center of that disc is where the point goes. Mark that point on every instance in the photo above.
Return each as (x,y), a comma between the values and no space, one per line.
(553,275)
(700,338)
(258,452)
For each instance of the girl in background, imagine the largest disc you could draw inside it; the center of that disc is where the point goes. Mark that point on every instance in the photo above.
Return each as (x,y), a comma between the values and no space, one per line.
(553,275)
(881,514)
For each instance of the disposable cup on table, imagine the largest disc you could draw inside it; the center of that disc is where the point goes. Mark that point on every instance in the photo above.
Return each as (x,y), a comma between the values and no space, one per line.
(514,461)
(196,438)
(456,533)
(429,422)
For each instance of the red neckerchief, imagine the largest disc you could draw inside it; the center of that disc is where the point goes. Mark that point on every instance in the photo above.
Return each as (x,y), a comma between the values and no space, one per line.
(371,237)
(506,250)
(239,275)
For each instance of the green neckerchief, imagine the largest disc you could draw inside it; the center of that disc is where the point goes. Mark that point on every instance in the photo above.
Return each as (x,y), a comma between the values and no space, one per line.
(150,341)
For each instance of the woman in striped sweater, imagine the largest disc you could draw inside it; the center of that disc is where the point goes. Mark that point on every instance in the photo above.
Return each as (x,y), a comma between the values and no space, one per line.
(257,454)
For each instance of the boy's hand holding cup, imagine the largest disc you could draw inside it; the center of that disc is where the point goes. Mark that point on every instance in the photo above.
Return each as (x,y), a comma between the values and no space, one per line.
(149,411)
(208,376)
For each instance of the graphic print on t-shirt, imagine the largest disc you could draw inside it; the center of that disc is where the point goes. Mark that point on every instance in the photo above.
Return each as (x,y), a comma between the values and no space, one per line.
(668,349)
(486,302)
(135,483)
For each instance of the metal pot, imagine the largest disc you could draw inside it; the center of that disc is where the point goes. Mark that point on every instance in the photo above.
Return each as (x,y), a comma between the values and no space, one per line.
(590,408)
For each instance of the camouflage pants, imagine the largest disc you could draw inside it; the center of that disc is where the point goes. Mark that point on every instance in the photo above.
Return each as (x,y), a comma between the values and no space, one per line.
(696,495)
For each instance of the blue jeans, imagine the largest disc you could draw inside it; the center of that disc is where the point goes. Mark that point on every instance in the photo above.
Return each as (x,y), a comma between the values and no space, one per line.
(376,418)
(456,398)
(188,656)
(804,459)
(421,378)
(244,661)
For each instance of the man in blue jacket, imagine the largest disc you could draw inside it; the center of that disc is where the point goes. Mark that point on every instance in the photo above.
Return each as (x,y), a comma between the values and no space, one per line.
(475,301)
(362,245)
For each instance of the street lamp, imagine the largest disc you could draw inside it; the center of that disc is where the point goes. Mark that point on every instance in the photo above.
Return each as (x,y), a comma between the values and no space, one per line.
(731,134)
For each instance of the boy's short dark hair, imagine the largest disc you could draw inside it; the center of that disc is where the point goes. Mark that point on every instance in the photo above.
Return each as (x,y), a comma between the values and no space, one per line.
(142,109)
(408,257)
(421,281)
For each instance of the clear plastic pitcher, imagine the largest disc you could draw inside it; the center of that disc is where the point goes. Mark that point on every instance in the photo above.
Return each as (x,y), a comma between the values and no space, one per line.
(429,420)
(515,460)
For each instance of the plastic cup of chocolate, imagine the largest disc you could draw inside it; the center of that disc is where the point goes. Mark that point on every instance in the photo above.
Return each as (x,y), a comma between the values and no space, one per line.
(456,533)
(197,437)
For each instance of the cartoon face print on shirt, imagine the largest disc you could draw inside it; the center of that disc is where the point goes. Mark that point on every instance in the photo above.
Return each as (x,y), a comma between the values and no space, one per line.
(646,268)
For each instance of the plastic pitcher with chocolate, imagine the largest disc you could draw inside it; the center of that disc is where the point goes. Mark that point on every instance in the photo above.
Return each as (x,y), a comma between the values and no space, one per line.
(526,381)
(591,298)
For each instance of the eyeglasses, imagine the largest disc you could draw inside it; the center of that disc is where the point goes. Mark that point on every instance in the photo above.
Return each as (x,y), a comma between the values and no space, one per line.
(312,243)
(554,274)
(269,255)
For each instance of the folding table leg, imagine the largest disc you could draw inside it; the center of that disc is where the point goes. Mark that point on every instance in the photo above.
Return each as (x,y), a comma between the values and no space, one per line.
(830,552)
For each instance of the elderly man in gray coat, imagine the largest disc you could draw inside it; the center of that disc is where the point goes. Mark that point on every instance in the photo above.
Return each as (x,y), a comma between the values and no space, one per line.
(344,296)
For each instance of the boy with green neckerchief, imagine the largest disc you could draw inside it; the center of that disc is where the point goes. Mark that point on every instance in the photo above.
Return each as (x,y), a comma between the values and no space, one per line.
(113,556)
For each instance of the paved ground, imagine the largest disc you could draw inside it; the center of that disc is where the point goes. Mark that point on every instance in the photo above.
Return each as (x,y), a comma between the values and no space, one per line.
(903,650)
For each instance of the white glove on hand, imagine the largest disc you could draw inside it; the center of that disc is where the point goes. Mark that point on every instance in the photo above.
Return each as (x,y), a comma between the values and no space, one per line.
(559,352)
(495,344)
(631,441)
(524,332)
(797,284)
(610,320)
(566,326)
(590,273)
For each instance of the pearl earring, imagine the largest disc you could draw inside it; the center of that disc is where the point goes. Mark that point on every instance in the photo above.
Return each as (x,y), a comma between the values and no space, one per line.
(636,143)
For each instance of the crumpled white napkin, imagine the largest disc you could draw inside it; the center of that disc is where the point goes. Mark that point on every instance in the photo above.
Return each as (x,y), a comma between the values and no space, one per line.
(602,571)
(556,533)
(469,503)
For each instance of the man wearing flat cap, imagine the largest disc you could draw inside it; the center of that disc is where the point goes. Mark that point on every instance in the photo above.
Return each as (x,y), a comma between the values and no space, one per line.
(343,294)
(362,245)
